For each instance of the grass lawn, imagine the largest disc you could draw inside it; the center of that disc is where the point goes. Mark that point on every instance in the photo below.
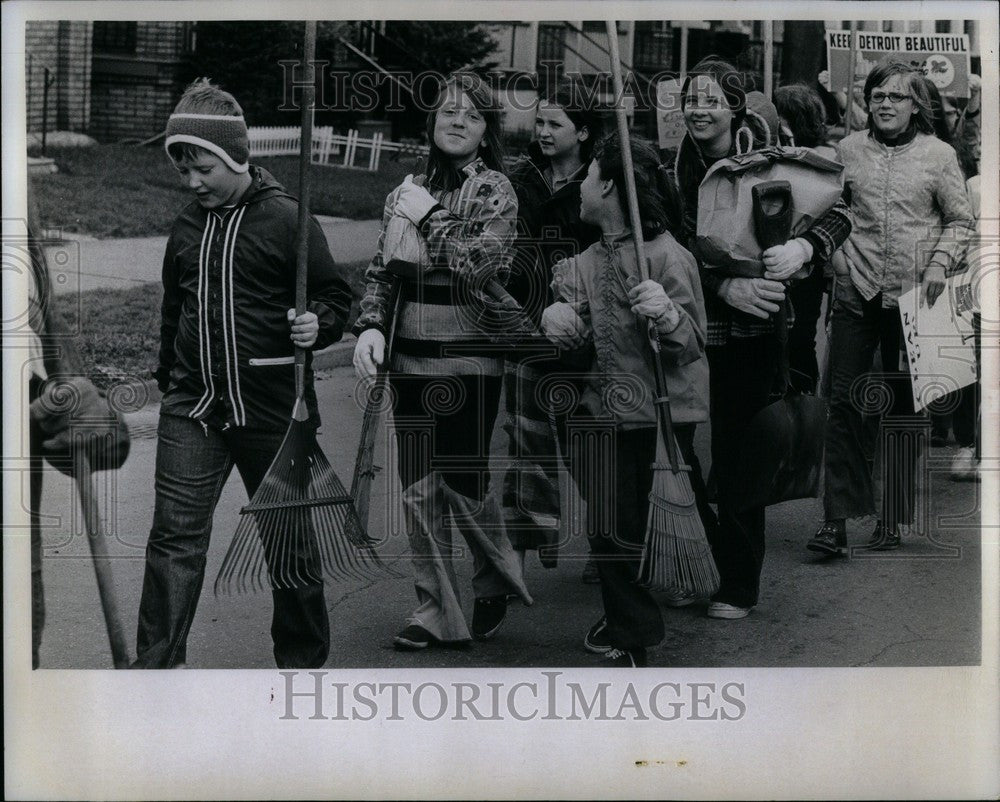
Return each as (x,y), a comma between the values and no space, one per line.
(114,191)
(120,329)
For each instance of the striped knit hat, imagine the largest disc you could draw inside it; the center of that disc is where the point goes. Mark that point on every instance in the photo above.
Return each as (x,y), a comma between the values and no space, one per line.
(222,134)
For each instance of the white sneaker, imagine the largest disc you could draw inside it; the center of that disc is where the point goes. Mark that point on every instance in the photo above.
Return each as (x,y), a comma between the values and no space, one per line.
(965,466)
(731,611)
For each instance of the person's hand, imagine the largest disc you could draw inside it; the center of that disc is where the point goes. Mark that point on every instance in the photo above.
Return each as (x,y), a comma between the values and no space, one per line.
(823,79)
(975,93)
(649,299)
(781,262)
(413,202)
(72,415)
(305,328)
(369,353)
(563,326)
(932,284)
(755,296)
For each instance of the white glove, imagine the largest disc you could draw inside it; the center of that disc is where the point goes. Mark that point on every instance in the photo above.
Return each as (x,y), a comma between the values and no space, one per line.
(369,352)
(781,262)
(413,201)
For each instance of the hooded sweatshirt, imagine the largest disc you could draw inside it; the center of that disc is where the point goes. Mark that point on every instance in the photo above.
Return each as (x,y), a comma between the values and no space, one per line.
(228,282)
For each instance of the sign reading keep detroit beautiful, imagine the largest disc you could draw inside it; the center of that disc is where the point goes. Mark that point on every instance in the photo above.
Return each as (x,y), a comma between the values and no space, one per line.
(943,57)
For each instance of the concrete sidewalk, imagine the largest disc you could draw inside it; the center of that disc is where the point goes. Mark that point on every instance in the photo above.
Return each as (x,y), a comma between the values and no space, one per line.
(82,263)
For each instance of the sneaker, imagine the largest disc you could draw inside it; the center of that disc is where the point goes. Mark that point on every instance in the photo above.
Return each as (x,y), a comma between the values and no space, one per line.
(883,538)
(488,616)
(730,611)
(830,541)
(625,658)
(597,641)
(412,639)
(678,598)
(590,574)
(965,467)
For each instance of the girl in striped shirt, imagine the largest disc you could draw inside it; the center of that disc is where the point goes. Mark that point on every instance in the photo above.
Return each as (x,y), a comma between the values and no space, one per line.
(445,369)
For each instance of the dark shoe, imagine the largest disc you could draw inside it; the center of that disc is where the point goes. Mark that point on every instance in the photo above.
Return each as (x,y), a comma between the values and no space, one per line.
(488,616)
(625,658)
(413,638)
(883,538)
(590,574)
(597,641)
(830,541)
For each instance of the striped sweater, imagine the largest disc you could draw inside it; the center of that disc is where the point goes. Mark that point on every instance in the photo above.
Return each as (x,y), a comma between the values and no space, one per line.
(469,239)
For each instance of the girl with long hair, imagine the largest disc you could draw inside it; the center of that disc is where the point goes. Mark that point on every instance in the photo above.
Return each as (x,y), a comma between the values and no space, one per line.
(445,372)
(742,344)
(912,221)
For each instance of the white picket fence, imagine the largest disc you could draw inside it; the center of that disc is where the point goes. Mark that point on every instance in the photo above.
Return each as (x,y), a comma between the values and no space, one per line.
(326,145)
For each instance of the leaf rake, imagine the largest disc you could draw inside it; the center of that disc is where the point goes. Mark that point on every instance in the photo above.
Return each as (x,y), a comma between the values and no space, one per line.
(301,524)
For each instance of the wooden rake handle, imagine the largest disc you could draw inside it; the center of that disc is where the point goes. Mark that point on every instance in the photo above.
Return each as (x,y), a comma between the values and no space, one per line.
(662,401)
(302,237)
(99,555)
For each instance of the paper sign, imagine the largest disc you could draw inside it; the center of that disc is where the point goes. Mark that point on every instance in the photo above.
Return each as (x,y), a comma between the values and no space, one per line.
(940,351)
(943,57)
(670,126)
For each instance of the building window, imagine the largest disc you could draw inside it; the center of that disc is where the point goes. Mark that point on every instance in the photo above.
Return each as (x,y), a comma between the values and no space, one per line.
(114,37)
(942,26)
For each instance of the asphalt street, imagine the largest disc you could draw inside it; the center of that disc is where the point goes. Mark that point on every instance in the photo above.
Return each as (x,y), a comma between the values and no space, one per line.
(919,606)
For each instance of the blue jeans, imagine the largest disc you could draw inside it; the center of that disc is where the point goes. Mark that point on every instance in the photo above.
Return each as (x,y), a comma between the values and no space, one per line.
(192,465)
(859,327)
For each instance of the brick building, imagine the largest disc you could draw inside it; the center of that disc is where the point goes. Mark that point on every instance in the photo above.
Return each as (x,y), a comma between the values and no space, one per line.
(111,80)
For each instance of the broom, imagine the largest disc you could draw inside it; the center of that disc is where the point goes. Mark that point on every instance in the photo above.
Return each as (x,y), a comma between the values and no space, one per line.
(301,523)
(676,556)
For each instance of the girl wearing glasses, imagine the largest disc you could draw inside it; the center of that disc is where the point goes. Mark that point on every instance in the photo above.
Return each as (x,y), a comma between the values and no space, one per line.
(912,221)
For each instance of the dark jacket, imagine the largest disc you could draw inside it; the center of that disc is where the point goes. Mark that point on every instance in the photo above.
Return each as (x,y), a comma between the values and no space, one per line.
(228,281)
(548,229)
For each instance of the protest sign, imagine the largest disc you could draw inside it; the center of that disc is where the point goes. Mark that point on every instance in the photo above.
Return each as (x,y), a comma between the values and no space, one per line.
(943,57)
(939,341)
(670,127)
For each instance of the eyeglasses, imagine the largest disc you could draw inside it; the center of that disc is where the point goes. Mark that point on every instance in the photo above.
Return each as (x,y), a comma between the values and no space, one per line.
(877,98)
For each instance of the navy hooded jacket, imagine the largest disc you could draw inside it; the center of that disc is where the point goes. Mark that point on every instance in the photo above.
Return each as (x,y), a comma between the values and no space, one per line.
(228,281)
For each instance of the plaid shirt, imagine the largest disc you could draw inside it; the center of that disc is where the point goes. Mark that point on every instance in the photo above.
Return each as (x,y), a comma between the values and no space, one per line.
(469,237)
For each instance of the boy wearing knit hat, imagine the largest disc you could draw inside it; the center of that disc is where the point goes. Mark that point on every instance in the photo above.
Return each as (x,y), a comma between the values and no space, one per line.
(227,333)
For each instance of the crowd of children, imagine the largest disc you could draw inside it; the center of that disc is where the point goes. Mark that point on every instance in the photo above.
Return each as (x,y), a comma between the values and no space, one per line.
(557,234)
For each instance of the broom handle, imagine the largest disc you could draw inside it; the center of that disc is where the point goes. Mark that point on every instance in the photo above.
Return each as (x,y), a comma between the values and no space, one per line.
(662,402)
(305,157)
(364,472)
(99,556)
